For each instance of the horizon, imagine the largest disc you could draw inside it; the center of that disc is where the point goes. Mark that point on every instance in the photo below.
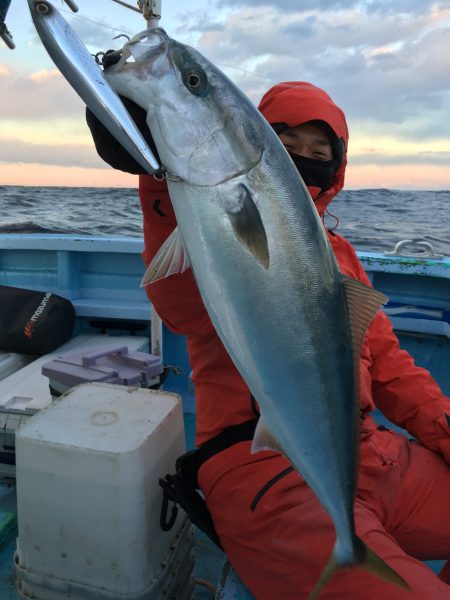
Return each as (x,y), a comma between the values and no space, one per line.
(131,187)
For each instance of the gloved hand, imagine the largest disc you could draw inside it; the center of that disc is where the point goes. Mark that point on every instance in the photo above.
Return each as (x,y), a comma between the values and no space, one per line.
(109,149)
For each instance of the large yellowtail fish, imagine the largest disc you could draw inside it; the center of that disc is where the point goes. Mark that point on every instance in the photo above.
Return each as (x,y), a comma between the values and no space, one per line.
(292,323)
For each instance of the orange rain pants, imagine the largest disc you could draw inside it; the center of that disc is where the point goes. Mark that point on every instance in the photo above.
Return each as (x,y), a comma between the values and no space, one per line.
(280,538)
(277,536)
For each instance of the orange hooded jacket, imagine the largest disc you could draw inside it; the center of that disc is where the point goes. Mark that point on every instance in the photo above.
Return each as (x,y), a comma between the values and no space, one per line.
(405,393)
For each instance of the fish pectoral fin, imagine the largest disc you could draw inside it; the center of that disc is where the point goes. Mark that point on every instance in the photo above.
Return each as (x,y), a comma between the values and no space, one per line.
(263,439)
(363,302)
(170,259)
(247,224)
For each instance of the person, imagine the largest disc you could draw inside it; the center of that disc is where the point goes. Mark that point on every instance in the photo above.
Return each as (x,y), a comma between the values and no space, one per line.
(270,524)
(5,34)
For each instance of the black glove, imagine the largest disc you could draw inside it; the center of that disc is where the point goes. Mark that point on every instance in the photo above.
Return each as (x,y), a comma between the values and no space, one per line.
(109,149)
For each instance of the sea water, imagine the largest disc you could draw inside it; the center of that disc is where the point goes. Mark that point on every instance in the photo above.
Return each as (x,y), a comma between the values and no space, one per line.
(371,219)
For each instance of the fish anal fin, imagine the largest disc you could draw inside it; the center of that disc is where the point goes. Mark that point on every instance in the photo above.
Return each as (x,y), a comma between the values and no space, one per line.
(263,439)
(247,224)
(170,259)
(363,302)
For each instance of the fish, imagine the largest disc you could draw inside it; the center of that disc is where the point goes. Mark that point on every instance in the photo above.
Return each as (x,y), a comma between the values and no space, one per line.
(83,73)
(290,320)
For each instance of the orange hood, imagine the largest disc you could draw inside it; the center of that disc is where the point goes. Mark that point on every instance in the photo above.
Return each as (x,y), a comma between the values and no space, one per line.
(295,103)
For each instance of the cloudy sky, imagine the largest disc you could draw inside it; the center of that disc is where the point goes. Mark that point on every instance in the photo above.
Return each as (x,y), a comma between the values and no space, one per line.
(385,62)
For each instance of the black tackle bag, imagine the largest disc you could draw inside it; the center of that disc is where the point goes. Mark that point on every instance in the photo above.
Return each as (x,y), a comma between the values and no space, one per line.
(33,322)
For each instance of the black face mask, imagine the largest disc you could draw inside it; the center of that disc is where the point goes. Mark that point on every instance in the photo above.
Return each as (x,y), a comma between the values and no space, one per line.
(316,173)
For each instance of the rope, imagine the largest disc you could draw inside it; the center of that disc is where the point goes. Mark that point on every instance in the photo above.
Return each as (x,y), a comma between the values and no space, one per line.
(78,16)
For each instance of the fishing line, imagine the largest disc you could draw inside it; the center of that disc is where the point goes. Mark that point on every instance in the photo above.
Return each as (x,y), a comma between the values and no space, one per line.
(110,27)
(265,79)
(128,6)
(77,16)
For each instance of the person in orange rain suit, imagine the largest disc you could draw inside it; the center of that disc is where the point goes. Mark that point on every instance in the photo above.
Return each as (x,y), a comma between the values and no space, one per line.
(272,527)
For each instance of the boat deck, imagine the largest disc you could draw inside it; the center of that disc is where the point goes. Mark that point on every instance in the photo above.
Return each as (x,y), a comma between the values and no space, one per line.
(101,278)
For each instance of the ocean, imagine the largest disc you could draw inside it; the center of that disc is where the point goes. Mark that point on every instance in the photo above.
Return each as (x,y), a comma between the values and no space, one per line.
(372,220)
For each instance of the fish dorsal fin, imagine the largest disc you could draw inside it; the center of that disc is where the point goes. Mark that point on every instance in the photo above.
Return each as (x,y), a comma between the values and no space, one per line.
(170,259)
(363,302)
(263,439)
(247,223)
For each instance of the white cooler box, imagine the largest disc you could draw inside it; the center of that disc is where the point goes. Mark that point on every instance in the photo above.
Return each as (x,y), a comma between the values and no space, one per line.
(88,499)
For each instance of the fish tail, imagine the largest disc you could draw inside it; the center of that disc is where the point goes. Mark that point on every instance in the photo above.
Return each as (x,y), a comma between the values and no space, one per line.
(367,560)
(374,564)
(330,569)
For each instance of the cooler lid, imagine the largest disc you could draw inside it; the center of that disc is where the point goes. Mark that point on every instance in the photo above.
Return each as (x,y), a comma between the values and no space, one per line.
(101,417)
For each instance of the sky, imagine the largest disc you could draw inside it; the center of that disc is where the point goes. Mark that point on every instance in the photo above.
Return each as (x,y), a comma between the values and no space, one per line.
(386,63)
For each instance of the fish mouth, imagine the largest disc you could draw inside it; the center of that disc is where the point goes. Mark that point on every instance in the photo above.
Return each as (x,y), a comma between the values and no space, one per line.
(147,42)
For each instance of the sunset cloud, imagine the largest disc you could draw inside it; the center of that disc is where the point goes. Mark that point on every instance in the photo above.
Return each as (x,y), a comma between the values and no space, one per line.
(38,95)
(69,155)
(45,75)
(385,63)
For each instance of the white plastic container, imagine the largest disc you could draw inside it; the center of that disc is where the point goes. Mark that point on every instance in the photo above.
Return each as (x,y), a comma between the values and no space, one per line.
(88,497)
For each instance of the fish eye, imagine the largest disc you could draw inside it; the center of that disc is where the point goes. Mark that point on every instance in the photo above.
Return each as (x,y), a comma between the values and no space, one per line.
(196,81)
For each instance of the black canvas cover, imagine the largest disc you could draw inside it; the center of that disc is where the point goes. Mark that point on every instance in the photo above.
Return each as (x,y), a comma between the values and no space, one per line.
(33,322)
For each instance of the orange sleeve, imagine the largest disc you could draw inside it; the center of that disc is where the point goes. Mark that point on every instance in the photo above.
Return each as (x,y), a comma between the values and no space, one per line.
(176,298)
(405,393)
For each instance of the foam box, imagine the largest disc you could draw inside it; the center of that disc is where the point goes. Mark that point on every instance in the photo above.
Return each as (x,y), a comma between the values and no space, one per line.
(88,498)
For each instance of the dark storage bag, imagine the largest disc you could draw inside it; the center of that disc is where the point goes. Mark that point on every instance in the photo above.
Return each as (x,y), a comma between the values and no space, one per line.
(33,322)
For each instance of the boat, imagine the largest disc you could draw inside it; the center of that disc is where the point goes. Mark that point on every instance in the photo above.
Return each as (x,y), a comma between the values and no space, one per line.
(101,277)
